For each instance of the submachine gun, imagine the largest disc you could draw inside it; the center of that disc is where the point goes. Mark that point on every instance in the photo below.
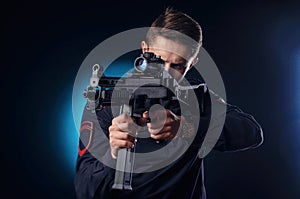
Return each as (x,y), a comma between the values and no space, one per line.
(145,86)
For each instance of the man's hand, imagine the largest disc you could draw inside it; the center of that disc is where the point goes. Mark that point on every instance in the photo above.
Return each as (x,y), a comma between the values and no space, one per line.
(122,133)
(164,124)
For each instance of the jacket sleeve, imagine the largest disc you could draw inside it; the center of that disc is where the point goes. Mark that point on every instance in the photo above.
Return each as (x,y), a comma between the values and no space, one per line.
(91,174)
(240,131)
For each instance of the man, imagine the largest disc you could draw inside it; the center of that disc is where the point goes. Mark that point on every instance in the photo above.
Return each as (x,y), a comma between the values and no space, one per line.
(182,175)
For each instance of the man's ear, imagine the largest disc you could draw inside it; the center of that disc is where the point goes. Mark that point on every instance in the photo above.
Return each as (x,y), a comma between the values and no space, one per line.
(195,61)
(144,46)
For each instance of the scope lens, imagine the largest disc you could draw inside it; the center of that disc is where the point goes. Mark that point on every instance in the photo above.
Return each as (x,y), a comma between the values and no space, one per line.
(140,64)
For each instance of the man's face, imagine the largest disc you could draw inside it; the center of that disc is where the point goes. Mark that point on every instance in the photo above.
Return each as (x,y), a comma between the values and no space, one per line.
(178,57)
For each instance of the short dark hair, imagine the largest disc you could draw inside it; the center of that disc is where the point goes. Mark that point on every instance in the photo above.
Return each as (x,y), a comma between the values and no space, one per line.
(172,21)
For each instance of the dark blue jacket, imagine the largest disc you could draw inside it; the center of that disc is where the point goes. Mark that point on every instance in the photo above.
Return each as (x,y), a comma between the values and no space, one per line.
(181,178)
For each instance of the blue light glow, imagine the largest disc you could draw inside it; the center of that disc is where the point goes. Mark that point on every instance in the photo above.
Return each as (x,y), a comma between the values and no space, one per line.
(72,117)
(69,137)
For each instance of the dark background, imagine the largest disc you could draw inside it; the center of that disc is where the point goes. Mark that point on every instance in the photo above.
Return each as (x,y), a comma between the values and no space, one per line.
(255,45)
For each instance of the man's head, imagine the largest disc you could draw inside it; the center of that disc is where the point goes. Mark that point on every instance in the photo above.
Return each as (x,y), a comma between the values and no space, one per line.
(177,38)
